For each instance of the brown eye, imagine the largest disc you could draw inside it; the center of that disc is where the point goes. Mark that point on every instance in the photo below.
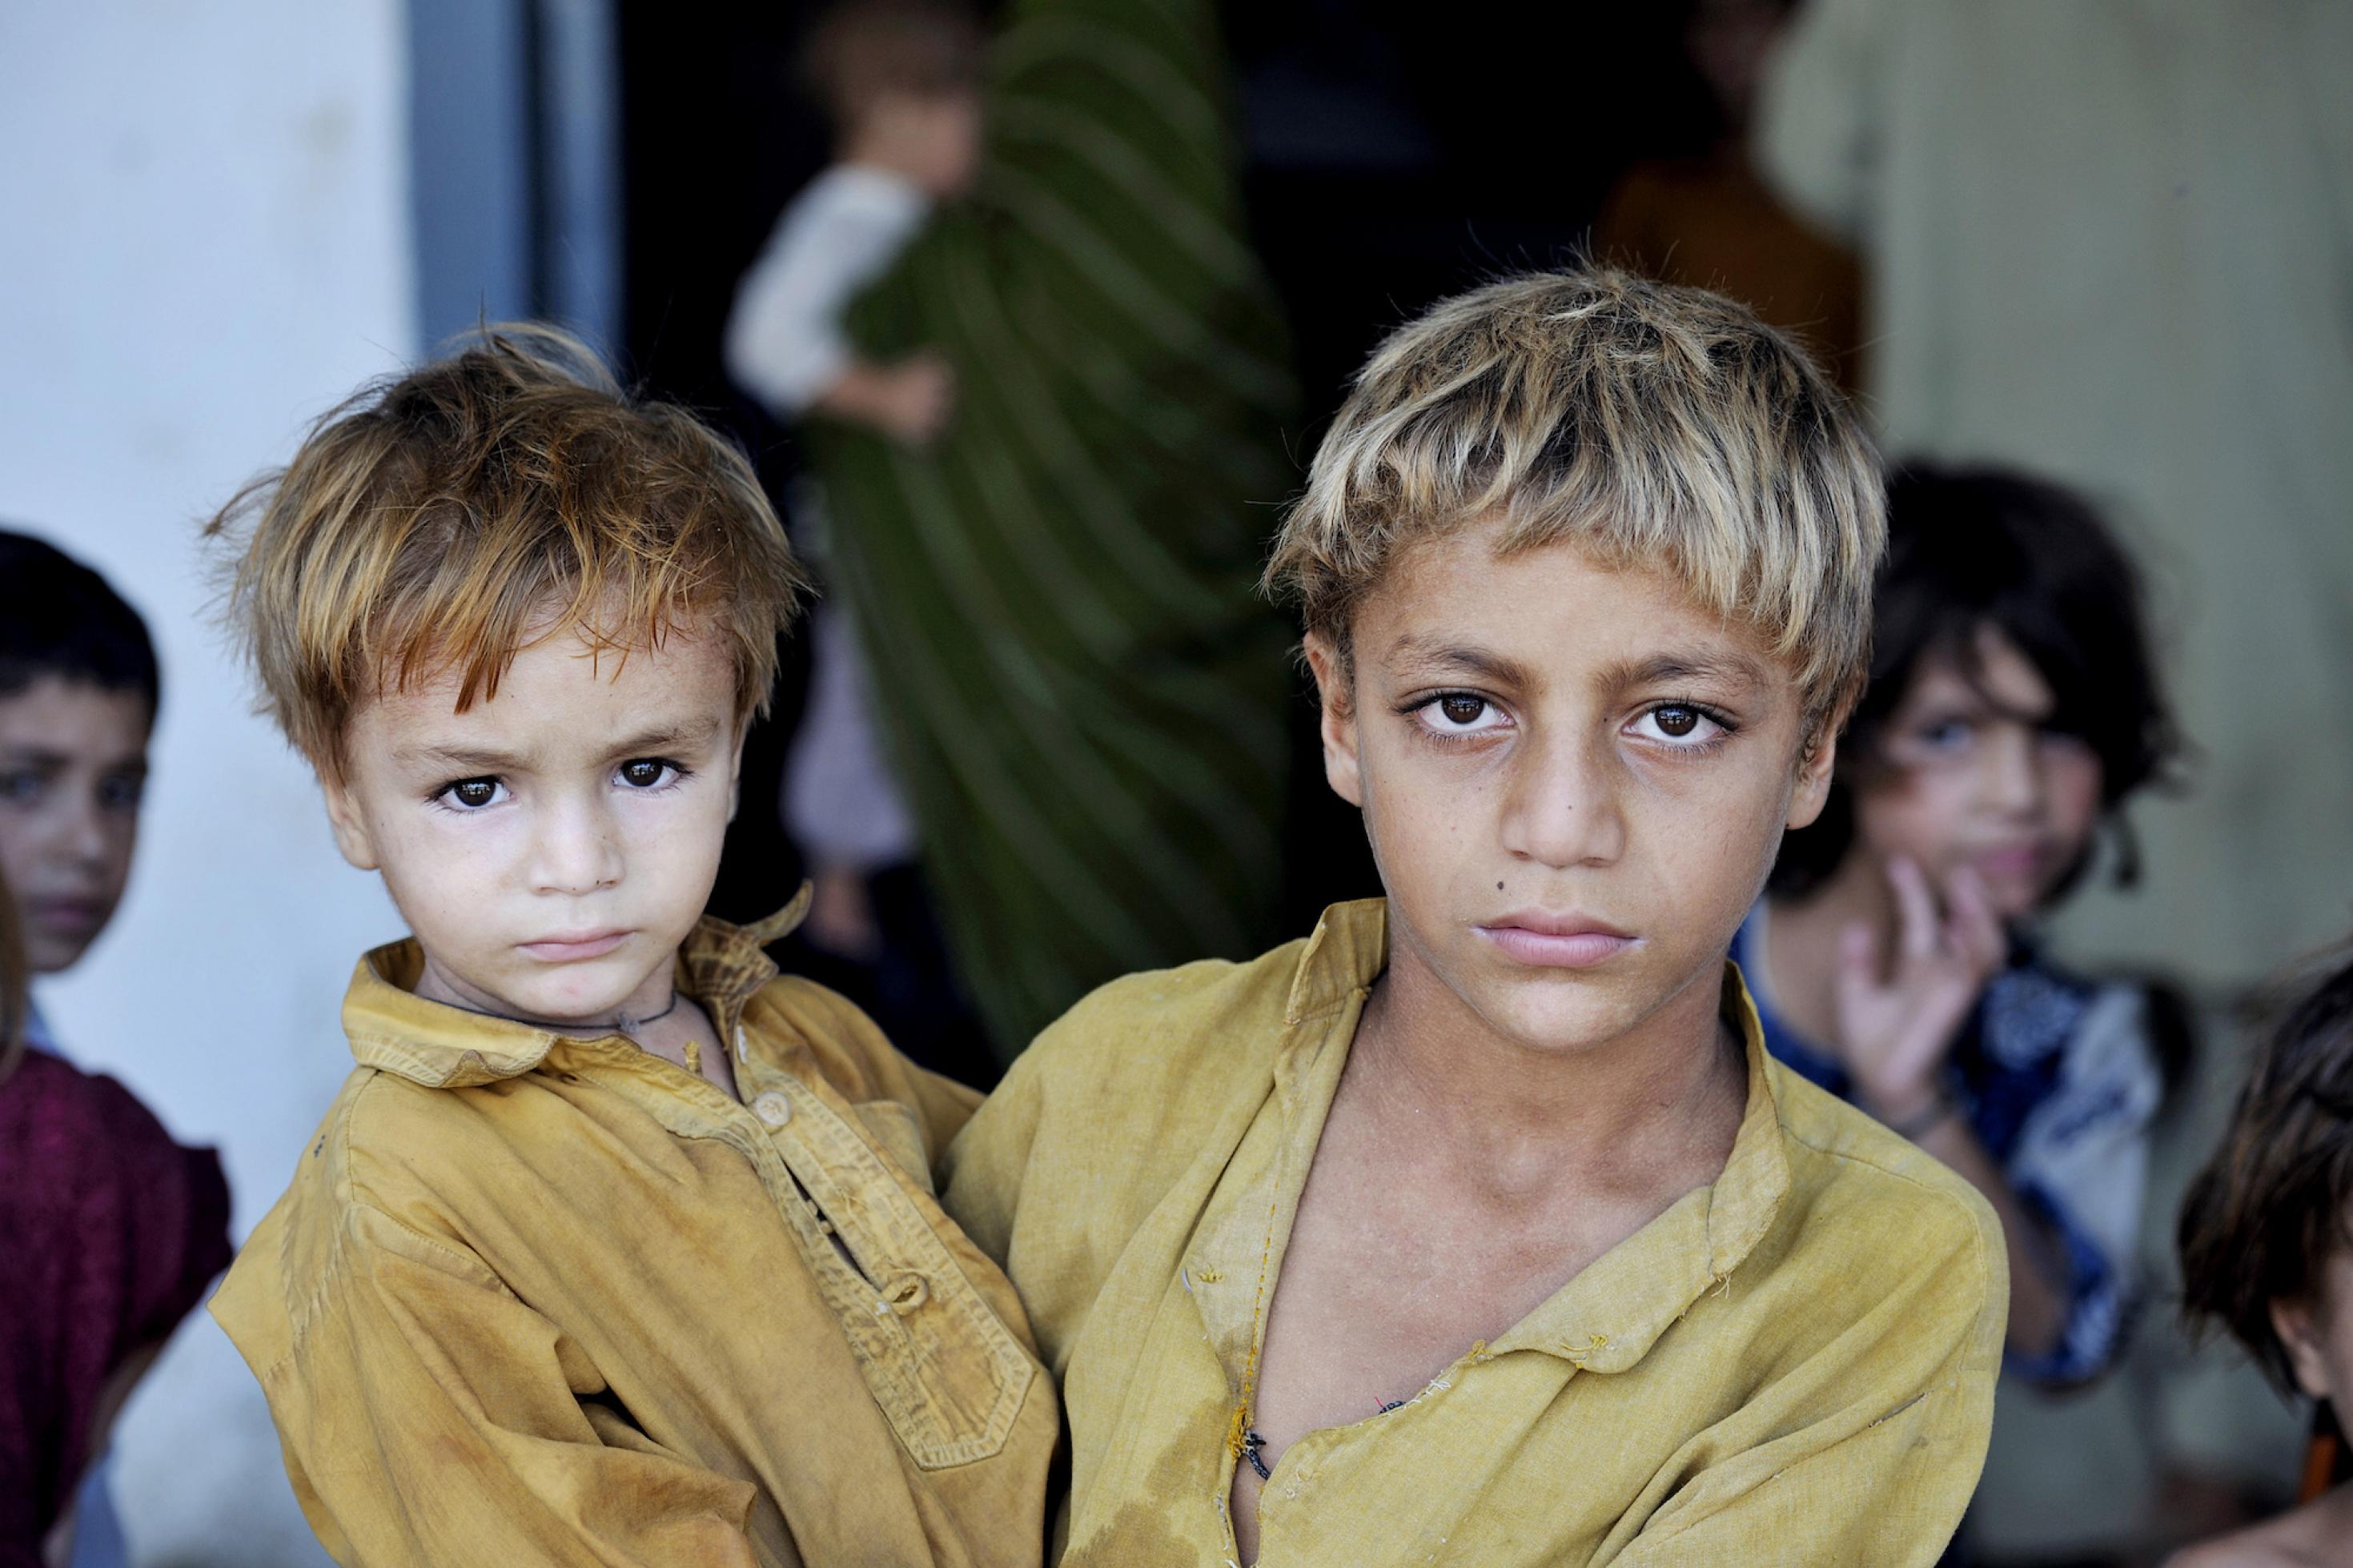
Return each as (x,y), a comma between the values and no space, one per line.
(1459,709)
(474,792)
(643,772)
(1676,721)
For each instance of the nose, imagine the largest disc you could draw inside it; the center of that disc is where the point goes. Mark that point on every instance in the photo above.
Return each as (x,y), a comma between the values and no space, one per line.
(576,849)
(81,830)
(1562,807)
(2012,772)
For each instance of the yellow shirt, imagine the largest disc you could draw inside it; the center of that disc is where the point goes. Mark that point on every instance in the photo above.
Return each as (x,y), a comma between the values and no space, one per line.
(535,1300)
(1793,1364)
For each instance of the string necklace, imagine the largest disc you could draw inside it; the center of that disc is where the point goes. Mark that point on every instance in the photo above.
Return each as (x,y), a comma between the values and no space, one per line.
(620,1025)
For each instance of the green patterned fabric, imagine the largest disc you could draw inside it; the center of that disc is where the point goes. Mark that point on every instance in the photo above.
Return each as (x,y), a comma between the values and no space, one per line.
(1085,700)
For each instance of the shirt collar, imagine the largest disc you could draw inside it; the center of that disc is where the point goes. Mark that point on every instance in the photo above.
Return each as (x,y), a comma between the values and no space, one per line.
(1607,1318)
(441,1046)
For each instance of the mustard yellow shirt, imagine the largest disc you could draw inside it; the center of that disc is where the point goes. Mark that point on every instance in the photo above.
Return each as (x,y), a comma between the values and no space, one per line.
(535,1300)
(1793,1364)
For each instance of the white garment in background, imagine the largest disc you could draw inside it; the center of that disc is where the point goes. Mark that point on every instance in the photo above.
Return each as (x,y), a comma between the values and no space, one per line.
(785,346)
(785,343)
(2110,241)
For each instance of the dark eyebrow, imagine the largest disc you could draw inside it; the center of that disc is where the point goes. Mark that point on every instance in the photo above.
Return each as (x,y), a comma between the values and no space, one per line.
(58,761)
(1666,668)
(665,738)
(1478,661)
(460,758)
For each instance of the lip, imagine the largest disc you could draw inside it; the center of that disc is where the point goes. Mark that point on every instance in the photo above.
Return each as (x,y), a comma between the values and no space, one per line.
(2011,860)
(573,947)
(78,915)
(1547,939)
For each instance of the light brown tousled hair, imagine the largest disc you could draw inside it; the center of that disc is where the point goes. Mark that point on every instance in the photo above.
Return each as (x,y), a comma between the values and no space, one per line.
(863,49)
(2261,1222)
(1648,424)
(443,521)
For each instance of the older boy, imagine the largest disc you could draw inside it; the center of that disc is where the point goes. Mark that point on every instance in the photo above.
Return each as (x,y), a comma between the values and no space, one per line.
(1479,1228)
(617,1247)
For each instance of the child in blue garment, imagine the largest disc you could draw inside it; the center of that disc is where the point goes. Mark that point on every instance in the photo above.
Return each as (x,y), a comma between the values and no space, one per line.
(2012,711)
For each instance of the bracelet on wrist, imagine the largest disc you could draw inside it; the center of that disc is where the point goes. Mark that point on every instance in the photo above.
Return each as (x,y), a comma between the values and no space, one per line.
(1922,1123)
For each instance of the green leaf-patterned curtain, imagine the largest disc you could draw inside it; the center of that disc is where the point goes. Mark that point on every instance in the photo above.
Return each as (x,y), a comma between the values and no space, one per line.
(1085,700)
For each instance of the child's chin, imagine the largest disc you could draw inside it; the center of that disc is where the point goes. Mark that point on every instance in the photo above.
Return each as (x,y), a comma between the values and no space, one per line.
(1558,1023)
(580,997)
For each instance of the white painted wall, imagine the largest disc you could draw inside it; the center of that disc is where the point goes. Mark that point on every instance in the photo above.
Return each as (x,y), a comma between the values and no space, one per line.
(205,240)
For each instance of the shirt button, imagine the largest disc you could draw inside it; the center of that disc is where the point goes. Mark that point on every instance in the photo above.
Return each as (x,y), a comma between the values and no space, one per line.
(773,1108)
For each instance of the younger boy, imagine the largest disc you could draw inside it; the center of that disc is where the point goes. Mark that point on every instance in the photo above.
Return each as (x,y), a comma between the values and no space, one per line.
(617,1247)
(1480,1227)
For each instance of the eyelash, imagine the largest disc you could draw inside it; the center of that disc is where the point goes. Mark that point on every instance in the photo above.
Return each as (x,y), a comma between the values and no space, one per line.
(680,773)
(1726,727)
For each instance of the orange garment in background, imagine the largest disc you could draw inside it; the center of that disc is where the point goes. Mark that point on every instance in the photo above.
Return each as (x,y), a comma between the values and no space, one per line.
(1711,223)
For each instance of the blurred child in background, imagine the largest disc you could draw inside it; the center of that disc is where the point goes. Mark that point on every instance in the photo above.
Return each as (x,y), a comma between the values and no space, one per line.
(1707,219)
(109,1230)
(900,80)
(2012,711)
(2267,1254)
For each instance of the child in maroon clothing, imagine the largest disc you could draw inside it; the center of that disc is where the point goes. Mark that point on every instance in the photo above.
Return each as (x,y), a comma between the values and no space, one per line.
(109,1230)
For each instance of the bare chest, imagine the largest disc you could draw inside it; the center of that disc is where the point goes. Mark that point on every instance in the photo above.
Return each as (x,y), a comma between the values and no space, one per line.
(1384,1284)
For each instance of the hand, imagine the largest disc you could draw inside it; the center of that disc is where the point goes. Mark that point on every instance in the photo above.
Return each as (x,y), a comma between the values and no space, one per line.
(1897,1020)
(914,398)
(842,917)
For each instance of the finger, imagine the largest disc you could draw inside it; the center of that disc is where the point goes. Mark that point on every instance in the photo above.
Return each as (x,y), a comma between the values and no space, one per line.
(1858,967)
(1915,909)
(1975,929)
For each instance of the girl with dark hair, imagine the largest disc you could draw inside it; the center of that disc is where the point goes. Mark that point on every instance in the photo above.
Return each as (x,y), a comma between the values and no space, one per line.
(2013,709)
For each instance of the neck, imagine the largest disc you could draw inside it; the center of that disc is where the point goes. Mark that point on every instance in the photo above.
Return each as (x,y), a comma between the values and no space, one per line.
(883,152)
(1620,1115)
(654,999)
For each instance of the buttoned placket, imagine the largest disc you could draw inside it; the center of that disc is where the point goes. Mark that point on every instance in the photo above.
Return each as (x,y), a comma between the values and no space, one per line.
(1236,1258)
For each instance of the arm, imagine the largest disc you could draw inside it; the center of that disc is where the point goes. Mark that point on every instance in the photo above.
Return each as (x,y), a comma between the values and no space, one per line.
(1899,1015)
(2038,1300)
(428,1416)
(1891,1494)
(785,344)
(981,1179)
(1877,1459)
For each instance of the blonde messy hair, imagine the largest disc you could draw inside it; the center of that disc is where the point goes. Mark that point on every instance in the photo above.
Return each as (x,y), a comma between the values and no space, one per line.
(443,521)
(1648,424)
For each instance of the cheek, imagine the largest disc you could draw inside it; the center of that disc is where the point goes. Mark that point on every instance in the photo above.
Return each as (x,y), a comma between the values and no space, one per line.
(122,842)
(2072,782)
(435,872)
(1911,814)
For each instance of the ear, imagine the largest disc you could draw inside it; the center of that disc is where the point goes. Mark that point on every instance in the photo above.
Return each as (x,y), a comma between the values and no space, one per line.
(1337,722)
(1817,762)
(735,769)
(2302,1332)
(349,822)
